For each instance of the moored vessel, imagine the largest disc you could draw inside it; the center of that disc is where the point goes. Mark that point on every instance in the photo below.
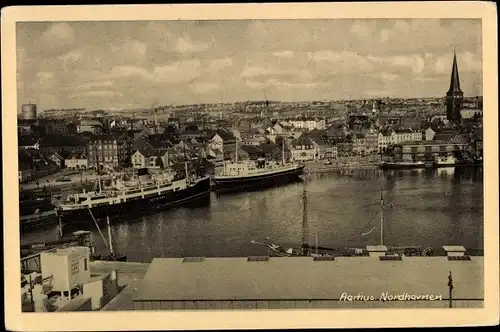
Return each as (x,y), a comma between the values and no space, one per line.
(445,161)
(402,164)
(327,253)
(144,192)
(261,173)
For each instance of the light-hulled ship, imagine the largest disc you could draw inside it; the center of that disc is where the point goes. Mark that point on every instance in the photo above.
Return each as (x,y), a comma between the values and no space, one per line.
(143,192)
(261,173)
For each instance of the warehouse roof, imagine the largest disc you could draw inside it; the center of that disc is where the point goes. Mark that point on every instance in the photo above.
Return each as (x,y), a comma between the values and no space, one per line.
(289,278)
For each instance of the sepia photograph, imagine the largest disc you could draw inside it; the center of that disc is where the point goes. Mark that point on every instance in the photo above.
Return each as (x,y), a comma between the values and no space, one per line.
(223,161)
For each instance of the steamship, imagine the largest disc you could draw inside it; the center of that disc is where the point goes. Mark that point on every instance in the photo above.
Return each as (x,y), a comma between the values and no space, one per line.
(144,192)
(261,173)
(403,164)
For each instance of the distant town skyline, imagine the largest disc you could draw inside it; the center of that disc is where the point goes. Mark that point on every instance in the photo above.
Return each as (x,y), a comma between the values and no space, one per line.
(140,64)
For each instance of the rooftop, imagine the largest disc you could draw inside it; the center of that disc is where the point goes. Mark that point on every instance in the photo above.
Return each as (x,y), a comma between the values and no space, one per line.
(286,278)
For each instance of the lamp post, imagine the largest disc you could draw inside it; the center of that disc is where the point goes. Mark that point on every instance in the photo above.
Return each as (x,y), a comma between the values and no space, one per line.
(450,286)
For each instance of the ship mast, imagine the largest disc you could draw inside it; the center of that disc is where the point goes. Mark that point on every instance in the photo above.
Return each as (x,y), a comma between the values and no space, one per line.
(109,236)
(381,218)
(185,162)
(283,150)
(236,150)
(305,244)
(98,167)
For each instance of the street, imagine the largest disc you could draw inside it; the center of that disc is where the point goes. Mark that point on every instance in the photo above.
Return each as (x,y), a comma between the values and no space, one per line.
(74,177)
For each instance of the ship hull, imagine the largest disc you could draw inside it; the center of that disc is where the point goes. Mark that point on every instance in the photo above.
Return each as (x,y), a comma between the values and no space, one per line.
(200,192)
(246,183)
(459,164)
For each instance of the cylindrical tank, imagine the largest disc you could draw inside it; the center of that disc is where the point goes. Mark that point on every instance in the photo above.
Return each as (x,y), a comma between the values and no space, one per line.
(28,111)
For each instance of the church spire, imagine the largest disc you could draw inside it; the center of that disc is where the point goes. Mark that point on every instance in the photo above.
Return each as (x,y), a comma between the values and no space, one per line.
(455,79)
(454,97)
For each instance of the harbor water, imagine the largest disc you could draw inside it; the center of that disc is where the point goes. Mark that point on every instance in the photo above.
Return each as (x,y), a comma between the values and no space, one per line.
(427,208)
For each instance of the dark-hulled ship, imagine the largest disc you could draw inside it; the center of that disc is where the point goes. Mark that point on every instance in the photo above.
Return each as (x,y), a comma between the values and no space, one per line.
(261,173)
(145,192)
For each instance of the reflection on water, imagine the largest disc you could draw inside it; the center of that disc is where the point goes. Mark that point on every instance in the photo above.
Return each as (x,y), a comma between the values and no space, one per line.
(430,208)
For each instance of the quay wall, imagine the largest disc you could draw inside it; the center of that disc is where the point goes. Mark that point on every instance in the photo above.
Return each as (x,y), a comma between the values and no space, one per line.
(320,167)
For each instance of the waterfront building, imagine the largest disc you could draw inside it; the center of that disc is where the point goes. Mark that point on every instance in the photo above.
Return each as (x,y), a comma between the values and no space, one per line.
(427,150)
(454,96)
(250,283)
(304,149)
(371,141)
(111,151)
(151,159)
(76,160)
(345,147)
(384,140)
(359,144)
(63,144)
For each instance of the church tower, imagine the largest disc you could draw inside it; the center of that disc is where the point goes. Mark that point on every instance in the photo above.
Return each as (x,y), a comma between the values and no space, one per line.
(454,96)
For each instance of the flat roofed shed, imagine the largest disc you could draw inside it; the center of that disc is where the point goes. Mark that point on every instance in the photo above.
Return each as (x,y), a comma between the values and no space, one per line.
(302,278)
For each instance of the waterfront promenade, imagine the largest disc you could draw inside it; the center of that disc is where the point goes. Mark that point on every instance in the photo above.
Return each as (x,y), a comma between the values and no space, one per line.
(76,178)
(343,163)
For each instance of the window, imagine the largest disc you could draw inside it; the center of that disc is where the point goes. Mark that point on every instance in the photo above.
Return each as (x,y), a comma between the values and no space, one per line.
(85,264)
(258,259)
(459,258)
(391,258)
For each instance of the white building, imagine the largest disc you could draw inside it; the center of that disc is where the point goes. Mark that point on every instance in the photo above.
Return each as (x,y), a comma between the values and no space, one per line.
(76,161)
(397,136)
(250,283)
(308,124)
(216,143)
(89,126)
(304,149)
(67,269)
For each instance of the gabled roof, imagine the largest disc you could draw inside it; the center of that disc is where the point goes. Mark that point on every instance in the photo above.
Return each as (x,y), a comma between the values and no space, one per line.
(58,140)
(57,155)
(225,134)
(267,147)
(302,140)
(76,155)
(250,149)
(403,131)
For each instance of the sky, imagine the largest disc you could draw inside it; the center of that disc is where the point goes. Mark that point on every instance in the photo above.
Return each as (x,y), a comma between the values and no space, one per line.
(141,64)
